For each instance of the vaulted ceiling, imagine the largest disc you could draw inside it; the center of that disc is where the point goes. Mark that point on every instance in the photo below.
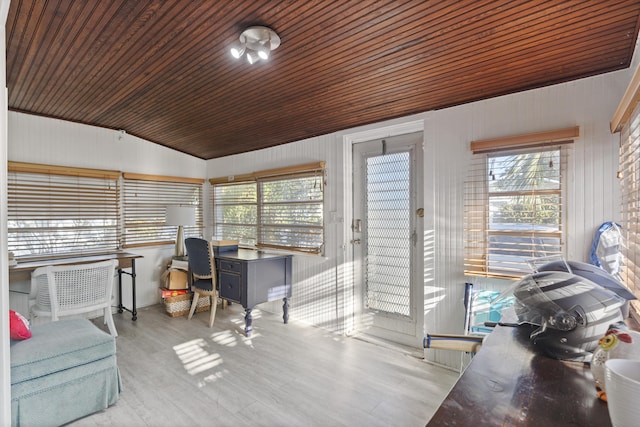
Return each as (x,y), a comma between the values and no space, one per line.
(161,70)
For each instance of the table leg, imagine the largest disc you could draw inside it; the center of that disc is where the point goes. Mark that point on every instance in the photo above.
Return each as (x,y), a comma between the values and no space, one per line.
(120,306)
(134,312)
(247,321)
(285,310)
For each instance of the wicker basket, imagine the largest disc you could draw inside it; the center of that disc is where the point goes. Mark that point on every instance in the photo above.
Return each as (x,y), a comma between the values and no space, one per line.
(181,304)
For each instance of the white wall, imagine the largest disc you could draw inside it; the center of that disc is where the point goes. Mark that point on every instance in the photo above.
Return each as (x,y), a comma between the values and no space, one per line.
(37,139)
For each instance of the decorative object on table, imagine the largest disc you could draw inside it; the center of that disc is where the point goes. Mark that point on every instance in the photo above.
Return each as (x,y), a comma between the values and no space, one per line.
(203,271)
(618,343)
(18,326)
(180,305)
(69,290)
(622,379)
(180,216)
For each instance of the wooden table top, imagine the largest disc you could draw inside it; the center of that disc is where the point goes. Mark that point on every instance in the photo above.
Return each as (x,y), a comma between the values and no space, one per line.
(509,383)
(122,257)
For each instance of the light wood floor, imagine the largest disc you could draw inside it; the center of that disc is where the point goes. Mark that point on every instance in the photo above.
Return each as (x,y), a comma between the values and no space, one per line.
(177,372)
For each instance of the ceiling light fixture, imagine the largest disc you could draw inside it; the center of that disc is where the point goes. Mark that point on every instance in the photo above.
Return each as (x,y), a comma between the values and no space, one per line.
(257,43)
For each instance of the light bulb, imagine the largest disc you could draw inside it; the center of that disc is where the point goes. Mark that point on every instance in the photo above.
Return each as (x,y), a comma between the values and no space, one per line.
(252,57)
(263,52)
(237,50)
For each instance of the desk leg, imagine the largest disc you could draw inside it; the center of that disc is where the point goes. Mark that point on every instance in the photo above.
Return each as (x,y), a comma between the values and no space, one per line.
(134,312)
(120,306)
(247,322)
(285,310)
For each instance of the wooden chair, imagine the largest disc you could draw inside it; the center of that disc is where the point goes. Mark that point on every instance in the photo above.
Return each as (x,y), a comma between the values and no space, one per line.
(67,290)
(203,273)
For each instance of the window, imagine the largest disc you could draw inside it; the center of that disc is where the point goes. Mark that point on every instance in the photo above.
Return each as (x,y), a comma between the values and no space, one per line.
(57,210)
(61,210)
(146,198)
(282,208)
(291,212)
(514,209)
(626,120)
(630,202)
(236,212)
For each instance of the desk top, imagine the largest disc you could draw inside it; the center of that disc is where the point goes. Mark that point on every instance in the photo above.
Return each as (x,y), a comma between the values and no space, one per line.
(32,265)
(249,255)
(509,383)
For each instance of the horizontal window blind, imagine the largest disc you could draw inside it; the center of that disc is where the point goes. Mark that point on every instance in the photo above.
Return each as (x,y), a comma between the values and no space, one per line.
(278,208)
(513,210)
(630,202)
(235,208)
(291,212)
(61,210)
(145,202)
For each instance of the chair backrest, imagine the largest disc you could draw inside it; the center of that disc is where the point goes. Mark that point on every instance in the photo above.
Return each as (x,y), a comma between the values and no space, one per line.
(200,258)
(74,289)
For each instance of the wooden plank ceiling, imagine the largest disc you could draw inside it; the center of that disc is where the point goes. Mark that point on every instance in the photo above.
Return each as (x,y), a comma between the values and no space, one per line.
(161,70)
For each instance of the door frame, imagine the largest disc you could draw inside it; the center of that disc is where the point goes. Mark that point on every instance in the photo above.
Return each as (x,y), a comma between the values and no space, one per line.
(352,304)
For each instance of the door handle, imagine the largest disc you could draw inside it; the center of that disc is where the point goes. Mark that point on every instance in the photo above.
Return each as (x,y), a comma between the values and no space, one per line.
(355,241)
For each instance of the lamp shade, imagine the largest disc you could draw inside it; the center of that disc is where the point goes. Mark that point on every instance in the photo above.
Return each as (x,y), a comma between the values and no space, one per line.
(180,215)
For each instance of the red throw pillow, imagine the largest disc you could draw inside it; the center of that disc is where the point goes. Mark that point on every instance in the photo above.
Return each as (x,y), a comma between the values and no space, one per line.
(18,326)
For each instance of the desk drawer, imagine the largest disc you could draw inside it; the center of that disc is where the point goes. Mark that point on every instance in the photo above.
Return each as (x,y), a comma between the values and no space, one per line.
(230,286)
(232,266)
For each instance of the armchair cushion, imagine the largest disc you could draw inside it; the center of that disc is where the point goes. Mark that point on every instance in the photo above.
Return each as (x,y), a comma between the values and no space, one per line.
(66,371)
(58,346)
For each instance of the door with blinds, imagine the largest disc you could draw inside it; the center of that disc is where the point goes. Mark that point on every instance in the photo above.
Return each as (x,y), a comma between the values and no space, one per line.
(385,240)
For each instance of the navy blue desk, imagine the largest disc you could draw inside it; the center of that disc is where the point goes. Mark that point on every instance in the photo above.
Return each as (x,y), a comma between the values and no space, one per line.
(252,277)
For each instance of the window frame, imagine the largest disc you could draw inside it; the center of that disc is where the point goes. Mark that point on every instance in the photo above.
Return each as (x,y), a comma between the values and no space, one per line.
(78,194)
(261,179)
(477,206)
(144,201)
(36,188)
(629,180)
(219,222)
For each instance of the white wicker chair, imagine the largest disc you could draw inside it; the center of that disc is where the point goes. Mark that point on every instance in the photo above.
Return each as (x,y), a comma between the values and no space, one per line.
(67,290)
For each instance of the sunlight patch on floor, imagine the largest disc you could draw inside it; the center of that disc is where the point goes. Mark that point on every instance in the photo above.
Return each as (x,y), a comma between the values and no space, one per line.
(225,338)
(210,379)
(203,364)
(195,357)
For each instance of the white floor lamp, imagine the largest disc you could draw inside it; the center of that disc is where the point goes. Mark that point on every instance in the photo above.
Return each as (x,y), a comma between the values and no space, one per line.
(180,216)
